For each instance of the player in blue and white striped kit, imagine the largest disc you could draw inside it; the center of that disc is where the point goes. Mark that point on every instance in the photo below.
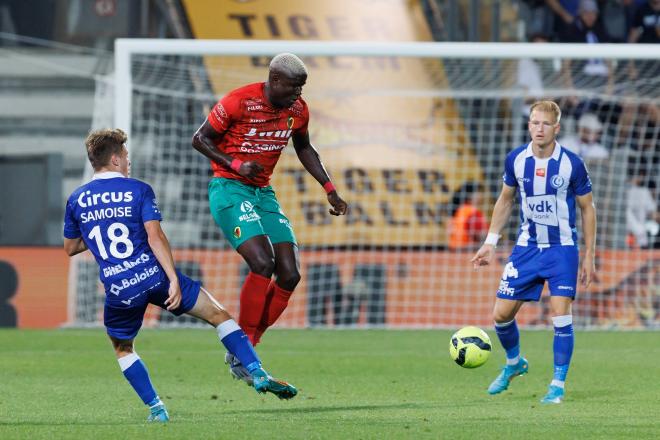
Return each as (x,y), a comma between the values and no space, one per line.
(550,180)
(118,220)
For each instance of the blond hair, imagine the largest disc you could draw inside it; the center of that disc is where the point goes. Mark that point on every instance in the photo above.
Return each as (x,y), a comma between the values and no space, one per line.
(547,107)
(288,63)
(102,144)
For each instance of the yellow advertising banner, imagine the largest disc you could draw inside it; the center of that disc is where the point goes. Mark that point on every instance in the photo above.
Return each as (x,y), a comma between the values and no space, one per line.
(395,152)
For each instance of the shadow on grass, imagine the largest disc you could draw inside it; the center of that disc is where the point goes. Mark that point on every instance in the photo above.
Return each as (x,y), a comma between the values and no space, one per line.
(339,408)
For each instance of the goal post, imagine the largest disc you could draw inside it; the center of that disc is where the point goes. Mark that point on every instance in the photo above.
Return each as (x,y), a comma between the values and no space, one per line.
(405,129)
(125,48)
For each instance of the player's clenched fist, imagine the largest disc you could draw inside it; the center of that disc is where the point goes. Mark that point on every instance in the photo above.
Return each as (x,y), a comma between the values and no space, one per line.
(339,206)
(250,169)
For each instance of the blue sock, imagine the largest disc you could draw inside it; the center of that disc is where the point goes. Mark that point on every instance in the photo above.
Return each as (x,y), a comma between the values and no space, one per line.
(137,375)
(509,337)
(238,344)
(562,347)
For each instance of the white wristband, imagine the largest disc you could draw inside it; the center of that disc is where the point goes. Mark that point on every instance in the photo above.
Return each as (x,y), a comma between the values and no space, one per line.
(492,239)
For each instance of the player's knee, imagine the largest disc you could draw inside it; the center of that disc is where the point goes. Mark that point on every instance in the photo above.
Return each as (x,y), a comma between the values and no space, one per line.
(289,279)
(122,347)
(219,316)
(263,265)
(502,316)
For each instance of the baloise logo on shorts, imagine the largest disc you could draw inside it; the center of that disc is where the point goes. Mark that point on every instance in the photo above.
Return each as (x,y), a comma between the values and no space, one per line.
(250,215)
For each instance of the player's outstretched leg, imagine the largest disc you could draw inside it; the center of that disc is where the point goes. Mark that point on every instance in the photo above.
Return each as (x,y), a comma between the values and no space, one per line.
(239,346)
(563,350)
(508,334)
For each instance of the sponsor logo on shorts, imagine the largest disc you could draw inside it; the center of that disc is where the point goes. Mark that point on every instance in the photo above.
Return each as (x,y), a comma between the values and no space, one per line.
(504,289)
(246,206)
(237,232)
(249,217)
(285,223)
(565,288)
(509,271)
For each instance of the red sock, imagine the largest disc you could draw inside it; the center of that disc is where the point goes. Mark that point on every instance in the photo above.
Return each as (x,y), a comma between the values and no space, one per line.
(263,323)
(277,304)
(253,298)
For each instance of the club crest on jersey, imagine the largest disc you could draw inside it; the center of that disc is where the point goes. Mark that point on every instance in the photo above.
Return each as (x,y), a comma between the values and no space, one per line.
(237,232)
(557,181)
(540,172)
(289,122)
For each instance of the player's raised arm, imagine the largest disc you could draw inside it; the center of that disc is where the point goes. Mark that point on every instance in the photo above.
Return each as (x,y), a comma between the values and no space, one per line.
(311,160)
(161,248)
(588,266)
(501,214)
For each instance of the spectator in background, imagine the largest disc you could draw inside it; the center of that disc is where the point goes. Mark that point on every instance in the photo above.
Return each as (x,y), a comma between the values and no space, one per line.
(587,142)
(645,74)
(538,18)
(468,224)
(593,74)
(565,12)
(642,214)
(645,26)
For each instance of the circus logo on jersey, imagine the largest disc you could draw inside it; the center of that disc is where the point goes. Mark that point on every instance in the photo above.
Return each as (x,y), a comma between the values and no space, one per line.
(237,232)
(289,122)
(557,181)
(246,206)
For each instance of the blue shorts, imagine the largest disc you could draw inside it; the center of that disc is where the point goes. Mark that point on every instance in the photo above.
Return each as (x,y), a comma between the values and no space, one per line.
(529,267)
(125,322)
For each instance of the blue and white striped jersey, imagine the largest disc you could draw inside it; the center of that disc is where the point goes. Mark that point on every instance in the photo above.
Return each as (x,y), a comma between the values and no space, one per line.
(547,190)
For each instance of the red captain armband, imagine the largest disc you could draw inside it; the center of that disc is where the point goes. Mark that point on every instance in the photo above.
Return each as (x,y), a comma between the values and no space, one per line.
(329,187)
(236,165)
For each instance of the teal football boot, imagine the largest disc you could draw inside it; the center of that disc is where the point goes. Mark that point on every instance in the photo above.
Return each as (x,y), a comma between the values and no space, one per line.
(555,395)
(264,383)
(502,381)
(158,414)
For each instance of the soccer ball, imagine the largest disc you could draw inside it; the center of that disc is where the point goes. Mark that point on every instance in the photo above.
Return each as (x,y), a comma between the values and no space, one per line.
(470,347)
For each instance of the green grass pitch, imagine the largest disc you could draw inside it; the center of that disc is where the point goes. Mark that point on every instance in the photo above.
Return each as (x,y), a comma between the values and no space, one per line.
(373,384)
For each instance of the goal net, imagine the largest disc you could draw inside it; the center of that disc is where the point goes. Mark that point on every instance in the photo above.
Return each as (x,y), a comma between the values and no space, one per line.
(408,131)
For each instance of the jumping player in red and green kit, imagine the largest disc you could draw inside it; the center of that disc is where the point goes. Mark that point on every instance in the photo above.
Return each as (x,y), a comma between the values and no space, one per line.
(243,136)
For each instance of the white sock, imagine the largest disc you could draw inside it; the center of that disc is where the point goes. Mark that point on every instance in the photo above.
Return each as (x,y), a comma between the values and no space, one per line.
(513,361)
(557,383)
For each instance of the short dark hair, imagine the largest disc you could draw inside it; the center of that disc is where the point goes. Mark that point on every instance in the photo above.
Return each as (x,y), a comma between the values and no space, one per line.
(102,144)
